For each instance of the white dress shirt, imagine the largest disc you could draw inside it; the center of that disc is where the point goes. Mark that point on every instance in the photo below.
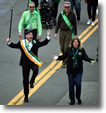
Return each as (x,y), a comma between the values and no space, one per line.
(29,44)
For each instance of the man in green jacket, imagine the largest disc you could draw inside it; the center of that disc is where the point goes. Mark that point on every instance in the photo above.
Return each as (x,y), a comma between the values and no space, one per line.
(31,20)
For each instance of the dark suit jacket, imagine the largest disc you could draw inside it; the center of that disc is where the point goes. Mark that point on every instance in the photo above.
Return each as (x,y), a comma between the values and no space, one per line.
(24,60)
(81,55)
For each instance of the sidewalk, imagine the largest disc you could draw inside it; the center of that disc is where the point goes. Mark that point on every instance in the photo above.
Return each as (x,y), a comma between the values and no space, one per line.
(90,95)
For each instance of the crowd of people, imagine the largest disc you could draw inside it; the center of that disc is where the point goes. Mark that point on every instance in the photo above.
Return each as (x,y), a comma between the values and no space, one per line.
(70,45)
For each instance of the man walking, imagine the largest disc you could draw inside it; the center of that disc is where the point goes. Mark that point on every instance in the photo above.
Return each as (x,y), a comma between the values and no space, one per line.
(29,58)
(68,28)
(30,20)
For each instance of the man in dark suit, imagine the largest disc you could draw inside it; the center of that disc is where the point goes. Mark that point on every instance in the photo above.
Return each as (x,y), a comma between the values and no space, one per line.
(27,61)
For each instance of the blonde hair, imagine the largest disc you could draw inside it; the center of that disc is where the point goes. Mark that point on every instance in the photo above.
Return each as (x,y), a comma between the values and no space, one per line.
(79,43)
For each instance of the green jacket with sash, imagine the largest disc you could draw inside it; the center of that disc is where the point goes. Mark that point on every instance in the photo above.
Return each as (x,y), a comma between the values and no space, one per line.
(26,19)
(68,23)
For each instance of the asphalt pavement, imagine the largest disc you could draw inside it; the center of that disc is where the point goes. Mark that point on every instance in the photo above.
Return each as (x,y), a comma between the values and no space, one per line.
(53,92)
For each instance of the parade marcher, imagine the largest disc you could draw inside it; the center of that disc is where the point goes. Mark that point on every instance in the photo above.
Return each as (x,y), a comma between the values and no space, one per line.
(55,8)
(76,4)
(31,20)
(29,58)
(68,28)
(35,1)
(91,8)
(75,54)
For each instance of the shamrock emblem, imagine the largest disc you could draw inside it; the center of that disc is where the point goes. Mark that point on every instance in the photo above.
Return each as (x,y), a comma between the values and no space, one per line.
(34,41)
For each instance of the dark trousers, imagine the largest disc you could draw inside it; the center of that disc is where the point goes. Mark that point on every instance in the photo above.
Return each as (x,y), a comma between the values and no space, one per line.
(55,9)
(34,33)
(91,8)
(75,81)
(25,72)
(76,4)
(64,40)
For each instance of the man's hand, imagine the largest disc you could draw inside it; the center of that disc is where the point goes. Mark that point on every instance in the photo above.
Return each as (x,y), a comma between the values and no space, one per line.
(55,35)
(8,40)
(75,36)
(39,8)
(48,32)
(93,61)
(20,35)
(39,37)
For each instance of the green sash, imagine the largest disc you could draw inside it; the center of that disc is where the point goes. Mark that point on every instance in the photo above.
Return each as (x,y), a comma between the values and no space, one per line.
(30,20)
(75,62)
(68,23)
(29,1)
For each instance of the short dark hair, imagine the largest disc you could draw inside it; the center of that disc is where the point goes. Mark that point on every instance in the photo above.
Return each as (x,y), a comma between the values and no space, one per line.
(29,31)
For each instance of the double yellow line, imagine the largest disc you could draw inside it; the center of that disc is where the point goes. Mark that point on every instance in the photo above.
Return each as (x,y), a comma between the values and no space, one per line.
(50,70)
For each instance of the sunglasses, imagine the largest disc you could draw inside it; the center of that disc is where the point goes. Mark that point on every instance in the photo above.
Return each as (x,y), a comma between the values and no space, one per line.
(32,7)
(67,7)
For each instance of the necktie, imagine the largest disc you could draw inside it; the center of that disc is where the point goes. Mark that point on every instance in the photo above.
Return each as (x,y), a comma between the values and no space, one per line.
(31,22)
(29,45)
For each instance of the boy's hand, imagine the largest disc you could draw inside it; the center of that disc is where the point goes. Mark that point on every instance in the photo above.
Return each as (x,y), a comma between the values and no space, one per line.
(8,40)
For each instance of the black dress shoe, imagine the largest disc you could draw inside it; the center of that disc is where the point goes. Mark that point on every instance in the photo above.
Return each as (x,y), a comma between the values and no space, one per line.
(31,85)
(26,100)
(79,101)
(78,18)
(72,102)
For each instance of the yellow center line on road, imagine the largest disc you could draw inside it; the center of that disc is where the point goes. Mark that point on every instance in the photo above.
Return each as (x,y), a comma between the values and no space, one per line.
(20,94)
(41,82)
(45,71)
(87,29)
(18,99)
(47,76)
(89,34)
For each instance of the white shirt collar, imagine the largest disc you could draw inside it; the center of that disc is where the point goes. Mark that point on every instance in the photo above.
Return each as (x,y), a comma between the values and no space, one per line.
(28,41)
